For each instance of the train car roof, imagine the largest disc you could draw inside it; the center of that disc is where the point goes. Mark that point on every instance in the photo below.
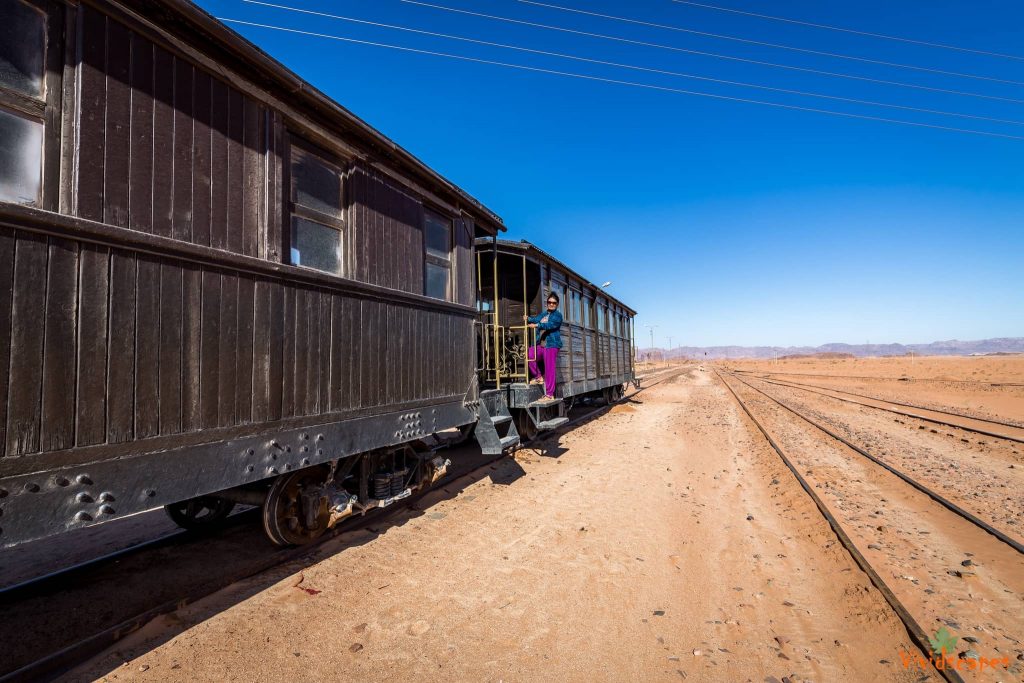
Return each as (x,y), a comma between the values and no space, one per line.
(204,33)
(533,250)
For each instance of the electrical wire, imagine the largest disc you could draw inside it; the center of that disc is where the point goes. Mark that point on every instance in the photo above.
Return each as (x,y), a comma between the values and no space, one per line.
(765,44)
(627,66)
(661,46)
(850,30)
(634,84)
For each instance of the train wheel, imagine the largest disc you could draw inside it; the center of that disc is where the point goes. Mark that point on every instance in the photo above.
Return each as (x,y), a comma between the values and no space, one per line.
(198,514)
(524,426)
(285,518)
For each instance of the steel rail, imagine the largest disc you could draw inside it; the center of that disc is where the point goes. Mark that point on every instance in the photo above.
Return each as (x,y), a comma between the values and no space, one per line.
(57,663)
(917,634)
(995,435)
(938,498)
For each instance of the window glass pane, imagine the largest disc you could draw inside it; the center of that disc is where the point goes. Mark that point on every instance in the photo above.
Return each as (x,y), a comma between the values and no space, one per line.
(316,184)
(21,161)
(437,281)
(437,234)
(22,41)
(315,246)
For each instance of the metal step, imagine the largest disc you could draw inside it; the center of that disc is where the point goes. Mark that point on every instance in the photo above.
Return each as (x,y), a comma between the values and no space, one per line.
(501,419)
(510,441)
(544,403)
(553,423)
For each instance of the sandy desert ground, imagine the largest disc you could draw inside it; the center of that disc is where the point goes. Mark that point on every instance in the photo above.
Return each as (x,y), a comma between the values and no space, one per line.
(665,540)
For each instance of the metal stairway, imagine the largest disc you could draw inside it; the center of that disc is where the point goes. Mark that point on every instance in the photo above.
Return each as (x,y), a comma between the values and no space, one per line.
(540,410)
(495,428)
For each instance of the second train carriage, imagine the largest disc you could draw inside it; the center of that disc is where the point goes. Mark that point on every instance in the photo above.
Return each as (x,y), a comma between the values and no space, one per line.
(596,359)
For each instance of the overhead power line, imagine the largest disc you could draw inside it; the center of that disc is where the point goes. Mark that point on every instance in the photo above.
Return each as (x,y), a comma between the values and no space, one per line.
(647,86)
(944,46)
(620,65)
(779,46)
(673,48)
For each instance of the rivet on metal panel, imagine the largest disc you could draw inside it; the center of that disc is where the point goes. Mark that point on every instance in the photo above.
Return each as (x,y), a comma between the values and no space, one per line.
(32,488)
(249,468)
(319,451)
(106,510)
(287,449)
(251,451)
(319,437)
(271,470)
(305,437)
(83,497)
(273,456)
(305,461)
(305,448)
(150,493)
(84,480)
(398,434)
(106,497)
(61,481)
(286,467)
(83,517)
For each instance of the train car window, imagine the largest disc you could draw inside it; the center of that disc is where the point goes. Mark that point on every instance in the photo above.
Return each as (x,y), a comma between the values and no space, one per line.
(22,60)
(316,222)
(22,48)
(437,240)
(316,184)
(21,163)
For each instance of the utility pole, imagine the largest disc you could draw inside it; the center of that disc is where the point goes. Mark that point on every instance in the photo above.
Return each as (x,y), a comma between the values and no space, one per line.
(651,328)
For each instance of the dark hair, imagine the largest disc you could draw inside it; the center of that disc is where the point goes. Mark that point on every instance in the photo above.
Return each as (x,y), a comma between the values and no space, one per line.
(554,296)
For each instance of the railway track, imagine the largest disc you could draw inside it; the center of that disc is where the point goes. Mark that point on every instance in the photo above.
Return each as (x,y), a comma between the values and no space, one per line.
(1010,553)
(67,655)
(888,379)
(1008,430)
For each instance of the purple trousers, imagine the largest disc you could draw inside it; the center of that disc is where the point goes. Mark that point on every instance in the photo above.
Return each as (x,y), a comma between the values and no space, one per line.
(549,359)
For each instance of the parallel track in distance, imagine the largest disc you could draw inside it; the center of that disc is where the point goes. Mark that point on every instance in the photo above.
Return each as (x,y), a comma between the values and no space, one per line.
(946,423)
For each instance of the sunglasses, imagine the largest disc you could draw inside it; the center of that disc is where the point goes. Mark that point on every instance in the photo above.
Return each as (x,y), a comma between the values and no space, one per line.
(552,303)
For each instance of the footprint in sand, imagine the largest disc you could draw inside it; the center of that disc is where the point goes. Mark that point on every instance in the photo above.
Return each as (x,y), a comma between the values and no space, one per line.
(418,628)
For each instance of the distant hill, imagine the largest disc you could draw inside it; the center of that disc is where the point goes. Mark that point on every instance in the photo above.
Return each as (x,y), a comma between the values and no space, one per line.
(952,347)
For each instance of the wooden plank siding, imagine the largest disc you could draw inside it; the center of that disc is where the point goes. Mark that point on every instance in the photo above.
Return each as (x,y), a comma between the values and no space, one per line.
(134,346)
(166,147)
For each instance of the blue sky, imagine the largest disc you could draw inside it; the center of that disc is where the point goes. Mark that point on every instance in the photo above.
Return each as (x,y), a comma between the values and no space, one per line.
(721,222)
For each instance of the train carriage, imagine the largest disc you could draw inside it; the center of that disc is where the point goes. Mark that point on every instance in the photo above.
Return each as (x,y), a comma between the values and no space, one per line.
(213,280)
(596,359)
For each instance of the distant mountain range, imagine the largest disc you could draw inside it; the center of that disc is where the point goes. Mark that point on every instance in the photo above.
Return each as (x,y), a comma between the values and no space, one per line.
(952,347)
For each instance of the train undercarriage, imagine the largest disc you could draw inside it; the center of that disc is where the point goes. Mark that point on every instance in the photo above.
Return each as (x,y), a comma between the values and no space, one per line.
(301,506)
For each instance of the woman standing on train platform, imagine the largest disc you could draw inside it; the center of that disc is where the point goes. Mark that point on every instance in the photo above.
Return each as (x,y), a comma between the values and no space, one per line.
(549,342)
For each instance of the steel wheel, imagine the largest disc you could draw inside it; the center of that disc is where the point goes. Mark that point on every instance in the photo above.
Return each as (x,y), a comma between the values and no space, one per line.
(524,425)
(196,514)
(284,518)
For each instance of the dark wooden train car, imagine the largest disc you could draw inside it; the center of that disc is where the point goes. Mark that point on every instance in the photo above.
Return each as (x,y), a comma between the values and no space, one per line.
(596,359)
(211,276)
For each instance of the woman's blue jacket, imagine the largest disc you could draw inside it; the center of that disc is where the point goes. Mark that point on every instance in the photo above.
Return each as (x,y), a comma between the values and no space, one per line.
(549,337)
